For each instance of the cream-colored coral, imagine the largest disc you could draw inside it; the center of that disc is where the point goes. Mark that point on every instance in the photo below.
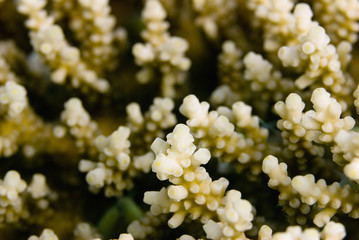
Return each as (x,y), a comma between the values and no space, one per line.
(302,132)
(12,99)
(20,126)
(235,218)
(193,192)
(331,231)
(356,98)
(116,165)
(9,55)
(302,191)
(112,170)
(293,132)
(147,226)
(12,186)
(47,234)
(29,133)
(265,81)
(327,113)
(316,118)
(234,136)
(280,25)
(339,18)
(320,63)
(123,154)
(40,191)
(252,79)
(186,237)
(229,67)
(152,123)
(160,51)
(125,236)
(49,41)
(79,124)
(95,28)
(17,197)
(215,16)
(85,231)
(230,64)
(346,153)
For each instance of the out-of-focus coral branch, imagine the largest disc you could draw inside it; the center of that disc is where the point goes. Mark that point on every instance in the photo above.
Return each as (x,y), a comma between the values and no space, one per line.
(49,41)
(161,52)
(20,202)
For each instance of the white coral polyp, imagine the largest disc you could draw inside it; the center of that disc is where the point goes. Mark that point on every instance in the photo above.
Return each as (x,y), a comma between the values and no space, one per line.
(172,50)
(256,67)
(47,234)
(201,156)
(318,37)
(333,231)
(181,140)
(96,177)
(166,166)
(13,95)
(177,193)
(194,110)
(153,11)
(221,127)
(144,53)
(352,169)
(38,187)
(236,211)
(289,56)
(12,185)
(123,161)
(235,218)
(117,142)
(125,236)
(213,230)
(159,201)
(74,113)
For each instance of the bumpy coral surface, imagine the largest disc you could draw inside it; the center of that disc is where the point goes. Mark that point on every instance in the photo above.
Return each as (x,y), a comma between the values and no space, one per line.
(179,119)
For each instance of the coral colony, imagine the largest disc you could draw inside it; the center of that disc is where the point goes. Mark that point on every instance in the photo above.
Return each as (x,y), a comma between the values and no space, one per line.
(179,119)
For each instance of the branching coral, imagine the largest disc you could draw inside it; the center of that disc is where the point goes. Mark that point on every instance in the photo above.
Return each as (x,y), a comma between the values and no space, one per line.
(193,192)
(331,231)
(118,163)
(147,226)
(234,135)
(252,73)
(339,18)
(171,119)
(320,61)
(20,201)
(307,132)
(161,51)
(215,16)
(94,27)
(280,25)
(49,42)
(301,192)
